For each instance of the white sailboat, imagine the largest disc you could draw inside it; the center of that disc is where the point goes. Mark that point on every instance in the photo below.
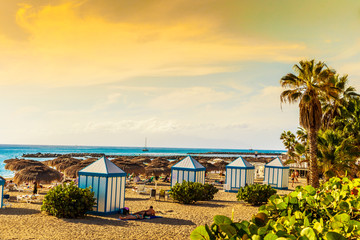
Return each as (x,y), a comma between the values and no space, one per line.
(145,149)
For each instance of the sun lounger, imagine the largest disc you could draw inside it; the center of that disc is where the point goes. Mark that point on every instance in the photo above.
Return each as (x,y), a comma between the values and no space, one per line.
(29,198)
(141,189)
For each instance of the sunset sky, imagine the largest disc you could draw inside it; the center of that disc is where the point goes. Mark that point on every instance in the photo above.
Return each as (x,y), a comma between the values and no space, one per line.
(181,73)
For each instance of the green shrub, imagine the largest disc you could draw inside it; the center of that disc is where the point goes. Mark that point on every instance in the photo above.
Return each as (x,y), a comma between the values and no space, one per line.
(255,194)
(329,212)
(68,201)
(191,192)
(208,192)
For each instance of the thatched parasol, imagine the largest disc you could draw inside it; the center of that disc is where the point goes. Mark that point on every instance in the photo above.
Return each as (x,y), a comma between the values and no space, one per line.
(56,161)
(21,164)
(38,174)
(209,167)
(159,162)
(130,167)
(141,160)
(172,163)
(64,165)
(73,170)
(220,165)
(157,171)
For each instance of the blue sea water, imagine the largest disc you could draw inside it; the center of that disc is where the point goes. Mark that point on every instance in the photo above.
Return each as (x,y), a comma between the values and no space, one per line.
(12,151)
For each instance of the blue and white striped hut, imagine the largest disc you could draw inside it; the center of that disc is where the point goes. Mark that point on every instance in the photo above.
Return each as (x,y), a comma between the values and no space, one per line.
(107,181)
(189,170)
(276,175)
(2,184)
(238,173)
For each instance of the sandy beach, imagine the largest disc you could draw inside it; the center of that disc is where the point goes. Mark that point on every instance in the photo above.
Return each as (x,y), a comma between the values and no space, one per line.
(25,220)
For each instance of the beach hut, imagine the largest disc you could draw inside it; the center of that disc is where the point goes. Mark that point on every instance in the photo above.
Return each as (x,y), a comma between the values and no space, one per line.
(189,170)
(107,181)
(2,184)
(238,174)
(276,175)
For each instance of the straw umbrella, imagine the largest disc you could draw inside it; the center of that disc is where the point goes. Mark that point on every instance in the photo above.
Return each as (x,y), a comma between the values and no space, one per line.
(58,160)
(209,166)
(130,167)
(21,164)
(73,170)
(141,160)
(70,162)
(220,165)
(37,174)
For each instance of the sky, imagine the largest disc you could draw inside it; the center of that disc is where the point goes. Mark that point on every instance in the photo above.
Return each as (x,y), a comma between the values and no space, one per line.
(181,73)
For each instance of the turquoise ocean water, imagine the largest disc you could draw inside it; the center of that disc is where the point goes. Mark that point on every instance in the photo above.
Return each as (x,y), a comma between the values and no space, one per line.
(12,151)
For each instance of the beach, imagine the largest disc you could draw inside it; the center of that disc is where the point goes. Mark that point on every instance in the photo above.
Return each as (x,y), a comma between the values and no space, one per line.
(25,220)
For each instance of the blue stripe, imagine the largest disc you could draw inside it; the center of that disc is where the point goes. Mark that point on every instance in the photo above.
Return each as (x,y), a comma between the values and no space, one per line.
(106,190)
(98,191)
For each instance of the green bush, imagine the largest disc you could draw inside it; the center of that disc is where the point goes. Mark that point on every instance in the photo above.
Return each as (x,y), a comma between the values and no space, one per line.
(208,192)
(68,201)
(191,192)
(255,194)
(330,212)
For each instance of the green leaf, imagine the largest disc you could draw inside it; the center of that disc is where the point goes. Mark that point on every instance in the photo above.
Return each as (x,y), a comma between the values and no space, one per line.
(310,189)
(220,219)
(343,217)
(256,237)
(200,233)
(228,229)
(344,206)
(262,231)
(318,227)
(309,233)
(335,236)
(270,236)
(281,206)
(306,222)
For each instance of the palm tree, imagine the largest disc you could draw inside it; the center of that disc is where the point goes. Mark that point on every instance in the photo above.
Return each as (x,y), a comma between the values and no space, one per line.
(333,103)
(310,84)
(289,141)
(337,153)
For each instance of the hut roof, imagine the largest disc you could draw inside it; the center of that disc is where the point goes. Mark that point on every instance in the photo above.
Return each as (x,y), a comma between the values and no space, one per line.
(241,163)
(102,166)
(189,163)
(276,162)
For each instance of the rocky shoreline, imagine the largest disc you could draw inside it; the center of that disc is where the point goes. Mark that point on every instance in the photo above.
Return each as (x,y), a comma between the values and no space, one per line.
(198,157)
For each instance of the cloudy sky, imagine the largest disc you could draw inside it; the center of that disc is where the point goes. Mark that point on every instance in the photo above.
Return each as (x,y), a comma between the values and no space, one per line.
(181,73)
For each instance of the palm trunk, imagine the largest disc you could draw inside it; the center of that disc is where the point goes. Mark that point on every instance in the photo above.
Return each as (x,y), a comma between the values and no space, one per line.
(314,175)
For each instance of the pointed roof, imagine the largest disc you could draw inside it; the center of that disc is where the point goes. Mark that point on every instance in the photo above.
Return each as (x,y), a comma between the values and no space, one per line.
(276,162)
(240,162)
(189,163)
(102,166)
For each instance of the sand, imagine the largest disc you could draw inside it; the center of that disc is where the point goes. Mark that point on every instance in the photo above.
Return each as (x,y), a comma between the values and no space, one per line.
(26,221)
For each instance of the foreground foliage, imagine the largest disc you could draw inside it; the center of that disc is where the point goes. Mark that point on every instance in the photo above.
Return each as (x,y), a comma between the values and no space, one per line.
(68,201)
(329,212)
(191,192)
(255,194)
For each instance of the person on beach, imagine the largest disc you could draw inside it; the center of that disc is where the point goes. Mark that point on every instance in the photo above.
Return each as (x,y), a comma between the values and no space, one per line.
(140,214)
(292,179)
(35,188)
(296,176)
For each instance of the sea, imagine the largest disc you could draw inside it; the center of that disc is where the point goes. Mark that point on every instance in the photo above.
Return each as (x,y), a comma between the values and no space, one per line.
(8,151)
